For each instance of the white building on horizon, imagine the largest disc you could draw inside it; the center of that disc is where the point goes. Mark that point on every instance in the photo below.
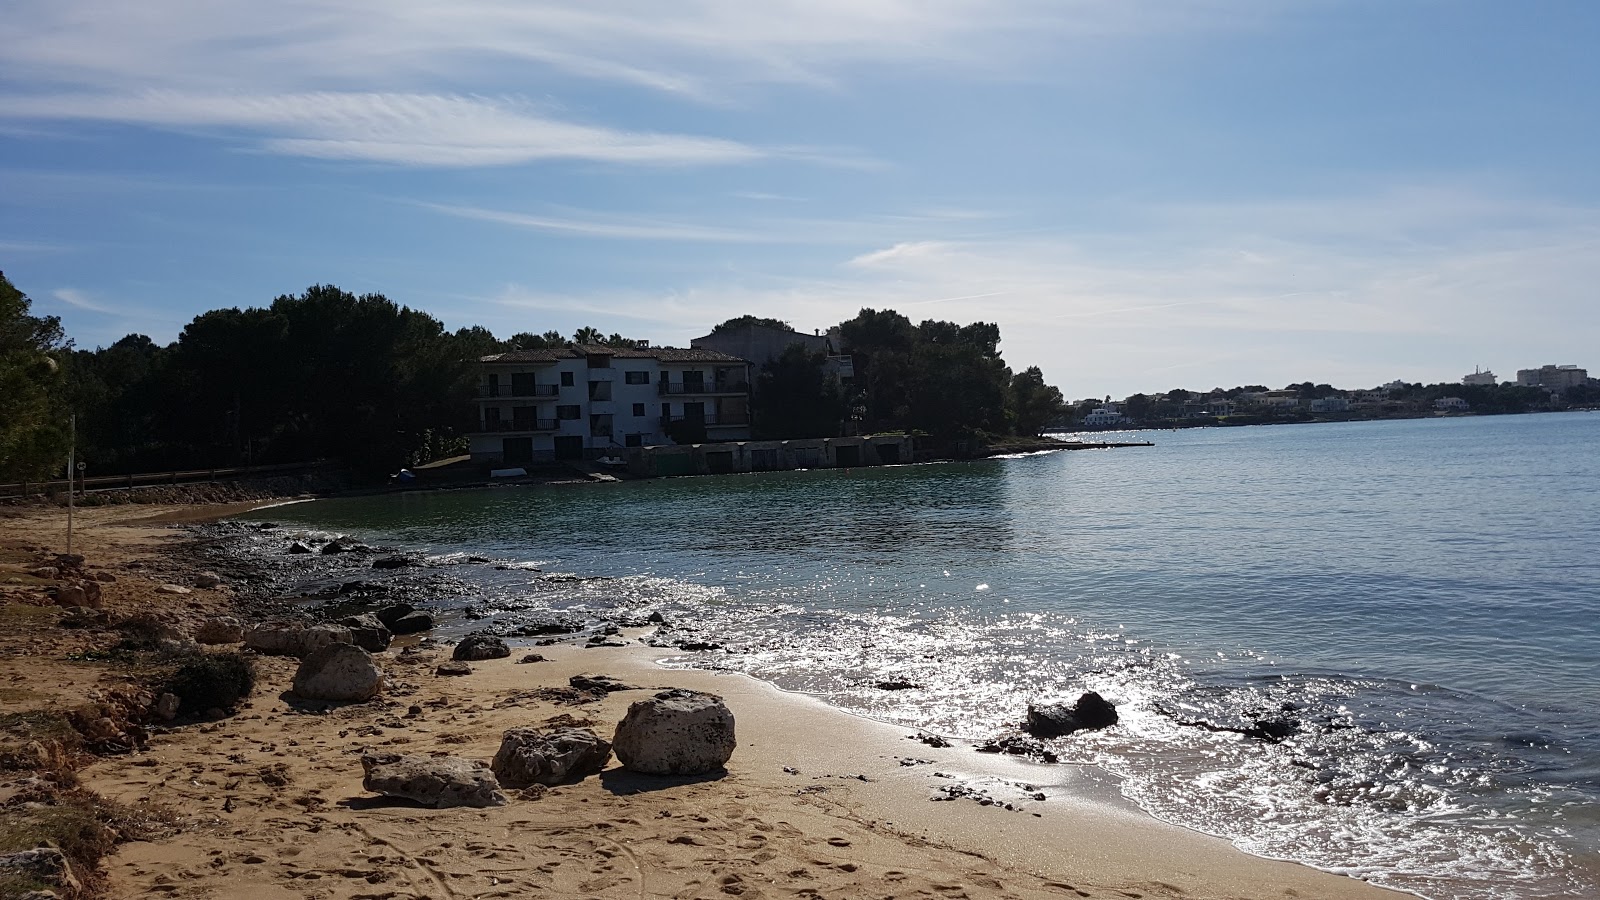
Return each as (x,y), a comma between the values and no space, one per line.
(1480,378)
(588,401)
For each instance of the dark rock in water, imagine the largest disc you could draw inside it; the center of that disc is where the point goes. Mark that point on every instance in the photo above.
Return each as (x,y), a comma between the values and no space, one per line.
(480,646)
(656,618)
(298,547)
(394,612)
(896,685)
(540,627)
(559,756)
(476,559)
(392,562)
(412,623)
(1273,731)
(531,658)
(932,740)
(453,668)
(345,545)
(697,646)
(1018,745)
(1056,719)
(599,684)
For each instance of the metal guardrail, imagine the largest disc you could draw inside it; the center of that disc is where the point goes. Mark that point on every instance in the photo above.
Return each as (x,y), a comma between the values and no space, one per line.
(151,479)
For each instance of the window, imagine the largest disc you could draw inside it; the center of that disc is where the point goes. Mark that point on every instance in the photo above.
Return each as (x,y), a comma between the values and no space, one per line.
(636,377)
(599,390)
(494,385)
(522,384)
(568,412)
(566,379)
(633,440)
(598,361)
(638,410)
(491,418)
(666,411)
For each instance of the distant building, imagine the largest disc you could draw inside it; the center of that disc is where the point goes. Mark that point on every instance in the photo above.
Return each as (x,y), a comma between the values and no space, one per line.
(587,401)
(761,344)
(1553,378)
(1105,416)
(1450,404)
(1330,404)
(1479,378)
(1396,385)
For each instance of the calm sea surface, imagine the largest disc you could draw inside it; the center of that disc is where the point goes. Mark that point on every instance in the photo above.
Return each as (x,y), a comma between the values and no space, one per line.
(1420,598)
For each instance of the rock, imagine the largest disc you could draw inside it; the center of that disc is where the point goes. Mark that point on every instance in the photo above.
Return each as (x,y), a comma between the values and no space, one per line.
(294,640)
(207,580)
(50,572)
(528,756)
(299,547)
(1019,745)
(71,595)
(897,684)
(531,658)
(453,668)
(105,577)
(392,613)
(337,545)
(656,618)
(43,864)
(166,708)
(173,589)
(599,684)
(220,630)
(69,562)
(437,782)
(1056,719)
(338,672)
(91,593)
(676,732)
(392,562)
(480,646)
(84,617)
(412,623)
(367,632)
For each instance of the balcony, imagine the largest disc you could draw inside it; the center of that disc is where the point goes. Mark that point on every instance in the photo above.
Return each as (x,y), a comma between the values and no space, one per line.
(668,388)
(491,392)
(524,425)
(711,420)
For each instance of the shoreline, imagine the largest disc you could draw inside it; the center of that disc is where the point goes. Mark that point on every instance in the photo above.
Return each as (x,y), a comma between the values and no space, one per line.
(895,839)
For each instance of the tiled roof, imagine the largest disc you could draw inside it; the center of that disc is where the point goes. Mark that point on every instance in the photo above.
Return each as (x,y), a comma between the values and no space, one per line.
(577,351)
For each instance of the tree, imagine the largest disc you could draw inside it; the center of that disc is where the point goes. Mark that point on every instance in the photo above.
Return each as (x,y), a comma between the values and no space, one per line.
(588,334)
(32,441)
(743,321)
(528,341)
(1033,405)
(796,397)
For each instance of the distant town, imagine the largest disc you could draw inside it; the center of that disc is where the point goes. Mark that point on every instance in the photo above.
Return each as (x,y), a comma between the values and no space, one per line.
(1545,388)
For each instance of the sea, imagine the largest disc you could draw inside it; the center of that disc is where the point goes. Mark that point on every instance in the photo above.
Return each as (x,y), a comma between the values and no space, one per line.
(1413,606)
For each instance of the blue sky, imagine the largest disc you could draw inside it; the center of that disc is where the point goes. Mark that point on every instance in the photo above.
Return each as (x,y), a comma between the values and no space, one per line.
(1144,195)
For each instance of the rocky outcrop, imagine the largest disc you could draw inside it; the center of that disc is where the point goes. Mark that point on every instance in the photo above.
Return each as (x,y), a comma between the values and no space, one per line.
(480,646)
(206,580)
(676,732)
(294,640)
(1056,719)
(452,669)
(437,782)
(219,630)
(599,684)
(403,618)
(341,673)
(528,756)
(367,632)
(46,865)
(392,562)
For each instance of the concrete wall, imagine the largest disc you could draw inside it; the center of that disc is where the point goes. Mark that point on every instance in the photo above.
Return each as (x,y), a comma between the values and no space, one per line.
(770,456)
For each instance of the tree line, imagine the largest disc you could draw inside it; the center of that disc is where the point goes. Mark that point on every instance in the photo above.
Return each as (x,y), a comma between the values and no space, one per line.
(327,374)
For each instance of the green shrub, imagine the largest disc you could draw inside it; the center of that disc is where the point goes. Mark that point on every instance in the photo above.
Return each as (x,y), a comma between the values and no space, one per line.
(205,681)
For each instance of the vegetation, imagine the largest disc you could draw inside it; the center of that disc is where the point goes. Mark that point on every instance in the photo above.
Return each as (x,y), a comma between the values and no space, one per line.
(796,397)
(32,439)
(205,681)
(741,321)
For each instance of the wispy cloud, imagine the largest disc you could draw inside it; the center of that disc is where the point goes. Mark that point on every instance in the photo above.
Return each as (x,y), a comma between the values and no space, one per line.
(413,129)
(81,300)
(636,229)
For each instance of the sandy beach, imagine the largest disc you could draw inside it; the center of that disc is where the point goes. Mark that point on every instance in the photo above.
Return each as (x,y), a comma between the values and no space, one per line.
(269,802)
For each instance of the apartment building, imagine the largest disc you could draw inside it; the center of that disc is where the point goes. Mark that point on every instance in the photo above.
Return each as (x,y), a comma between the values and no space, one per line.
(588,401)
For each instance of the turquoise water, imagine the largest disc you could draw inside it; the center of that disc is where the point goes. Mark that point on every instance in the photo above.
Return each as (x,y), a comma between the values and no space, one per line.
(1421,598)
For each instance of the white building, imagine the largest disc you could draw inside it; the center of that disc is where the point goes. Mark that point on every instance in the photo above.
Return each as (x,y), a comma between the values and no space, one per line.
(1330,405)
(1555,378)
(587,401)
(1105,416)
(1480,377)
(1450,404)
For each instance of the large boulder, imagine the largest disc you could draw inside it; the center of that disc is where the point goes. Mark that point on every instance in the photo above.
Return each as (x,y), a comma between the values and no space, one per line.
(1056,719)
(528,756)
(437,782)
(474,647)
(367,632)
(219,630)
(342,673)
(676,732)
(294,640)
(403,618)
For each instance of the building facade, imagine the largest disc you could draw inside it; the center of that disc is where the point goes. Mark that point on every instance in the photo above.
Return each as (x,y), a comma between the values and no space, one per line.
(1554,378)
(588,401)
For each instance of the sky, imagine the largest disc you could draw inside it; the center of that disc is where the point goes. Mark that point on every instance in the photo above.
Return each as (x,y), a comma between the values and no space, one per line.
(1143,195)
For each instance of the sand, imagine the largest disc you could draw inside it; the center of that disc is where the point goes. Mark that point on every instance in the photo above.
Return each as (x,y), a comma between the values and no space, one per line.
(814,803)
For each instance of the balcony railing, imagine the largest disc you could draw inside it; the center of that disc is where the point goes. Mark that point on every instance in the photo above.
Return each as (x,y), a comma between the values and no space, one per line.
(539,390)
(712,420)
(699,387)
(524,425)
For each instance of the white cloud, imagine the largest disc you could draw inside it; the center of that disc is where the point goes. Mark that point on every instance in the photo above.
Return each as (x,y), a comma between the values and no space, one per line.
(80,300)
(590,226)
(415,129)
